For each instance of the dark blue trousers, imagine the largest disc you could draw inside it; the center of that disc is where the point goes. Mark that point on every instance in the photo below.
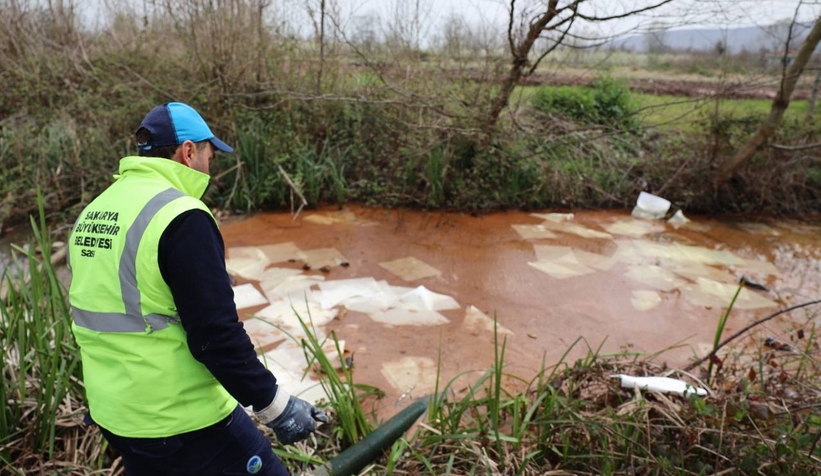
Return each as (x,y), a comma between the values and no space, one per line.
(233,446)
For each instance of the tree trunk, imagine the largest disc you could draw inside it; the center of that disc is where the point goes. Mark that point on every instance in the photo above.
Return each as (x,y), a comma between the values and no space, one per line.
(520,61)
(780,104)
(321,47)
(814,98)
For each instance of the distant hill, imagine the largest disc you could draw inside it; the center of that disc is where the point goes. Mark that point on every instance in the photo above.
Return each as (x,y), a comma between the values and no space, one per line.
(752,39)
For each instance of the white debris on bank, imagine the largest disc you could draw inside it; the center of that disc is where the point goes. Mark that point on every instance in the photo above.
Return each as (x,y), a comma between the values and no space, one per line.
(660,384)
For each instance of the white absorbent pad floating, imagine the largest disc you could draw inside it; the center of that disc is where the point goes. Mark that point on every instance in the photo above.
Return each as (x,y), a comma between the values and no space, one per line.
(247,295)
(410,268)
(476,320)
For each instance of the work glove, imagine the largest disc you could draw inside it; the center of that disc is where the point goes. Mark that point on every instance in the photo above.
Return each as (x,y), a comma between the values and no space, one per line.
(291,418)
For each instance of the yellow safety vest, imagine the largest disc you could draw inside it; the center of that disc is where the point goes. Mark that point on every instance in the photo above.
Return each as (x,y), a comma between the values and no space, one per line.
(140,378)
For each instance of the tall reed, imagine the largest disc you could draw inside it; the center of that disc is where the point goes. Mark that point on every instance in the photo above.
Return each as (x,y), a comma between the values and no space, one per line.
(39,361)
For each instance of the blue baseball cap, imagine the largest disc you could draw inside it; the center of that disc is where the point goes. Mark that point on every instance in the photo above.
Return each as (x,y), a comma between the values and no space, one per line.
(174,123)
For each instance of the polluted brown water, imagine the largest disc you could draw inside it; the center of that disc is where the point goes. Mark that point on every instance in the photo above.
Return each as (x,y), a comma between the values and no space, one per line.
(412,295)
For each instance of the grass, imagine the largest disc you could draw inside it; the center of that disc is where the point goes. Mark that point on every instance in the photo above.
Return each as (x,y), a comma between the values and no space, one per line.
(42,383)
(574,419)
(688,114)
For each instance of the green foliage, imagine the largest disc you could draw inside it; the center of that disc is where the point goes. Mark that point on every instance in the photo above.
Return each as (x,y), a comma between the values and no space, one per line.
(608,103)
(614,104)
(571,101)
(67,115)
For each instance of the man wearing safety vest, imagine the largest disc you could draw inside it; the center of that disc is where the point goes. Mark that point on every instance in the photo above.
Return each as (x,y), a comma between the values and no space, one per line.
(167,365)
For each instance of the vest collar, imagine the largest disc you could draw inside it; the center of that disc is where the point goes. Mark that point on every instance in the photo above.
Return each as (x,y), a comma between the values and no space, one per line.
(185,179)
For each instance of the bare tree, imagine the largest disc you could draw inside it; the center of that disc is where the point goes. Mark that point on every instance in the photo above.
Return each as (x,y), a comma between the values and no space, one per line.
(218,34)
(408,24)
(782,100)
(656,38)
(364,35)
(814,96)
(319,14)
(551,21)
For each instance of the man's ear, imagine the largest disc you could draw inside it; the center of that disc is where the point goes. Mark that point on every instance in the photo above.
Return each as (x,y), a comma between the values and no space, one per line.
(185,153)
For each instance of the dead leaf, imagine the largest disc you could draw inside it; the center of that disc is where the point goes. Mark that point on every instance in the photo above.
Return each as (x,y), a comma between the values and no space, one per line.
(760,411)
(716,361)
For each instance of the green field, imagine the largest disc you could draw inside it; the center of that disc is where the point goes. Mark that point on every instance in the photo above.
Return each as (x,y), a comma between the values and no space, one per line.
(686,114)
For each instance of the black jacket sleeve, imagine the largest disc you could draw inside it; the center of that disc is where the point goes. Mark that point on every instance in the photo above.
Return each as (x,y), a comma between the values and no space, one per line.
(192,261)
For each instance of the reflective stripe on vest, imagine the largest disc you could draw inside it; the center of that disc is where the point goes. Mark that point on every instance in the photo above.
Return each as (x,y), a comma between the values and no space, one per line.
(132,320)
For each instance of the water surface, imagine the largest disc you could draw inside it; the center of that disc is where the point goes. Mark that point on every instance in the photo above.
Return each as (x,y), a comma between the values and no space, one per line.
(614,281)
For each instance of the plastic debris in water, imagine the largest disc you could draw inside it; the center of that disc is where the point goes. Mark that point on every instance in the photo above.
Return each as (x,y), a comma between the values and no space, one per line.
(660,384)
(678,219)
(651,206)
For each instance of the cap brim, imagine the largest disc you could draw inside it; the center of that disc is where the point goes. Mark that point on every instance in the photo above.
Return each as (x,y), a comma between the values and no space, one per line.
(220,145)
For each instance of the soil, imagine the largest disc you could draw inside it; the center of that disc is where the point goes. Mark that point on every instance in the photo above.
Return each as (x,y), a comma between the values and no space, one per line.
(676,87)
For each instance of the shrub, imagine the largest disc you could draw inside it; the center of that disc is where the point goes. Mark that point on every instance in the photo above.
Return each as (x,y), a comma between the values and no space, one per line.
(608,103)
(572,102)
(614,104)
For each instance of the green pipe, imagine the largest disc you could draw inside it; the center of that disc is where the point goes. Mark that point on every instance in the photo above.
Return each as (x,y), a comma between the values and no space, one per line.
(353,459)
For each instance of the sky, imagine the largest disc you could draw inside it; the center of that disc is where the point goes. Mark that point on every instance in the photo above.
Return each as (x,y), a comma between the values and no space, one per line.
(708,13)
(493,14)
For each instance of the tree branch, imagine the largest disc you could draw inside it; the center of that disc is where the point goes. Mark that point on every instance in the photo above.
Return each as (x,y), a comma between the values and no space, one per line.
(624,15)
(510,41)
(780,104)
(744,330)
(549,50)
(793,148)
